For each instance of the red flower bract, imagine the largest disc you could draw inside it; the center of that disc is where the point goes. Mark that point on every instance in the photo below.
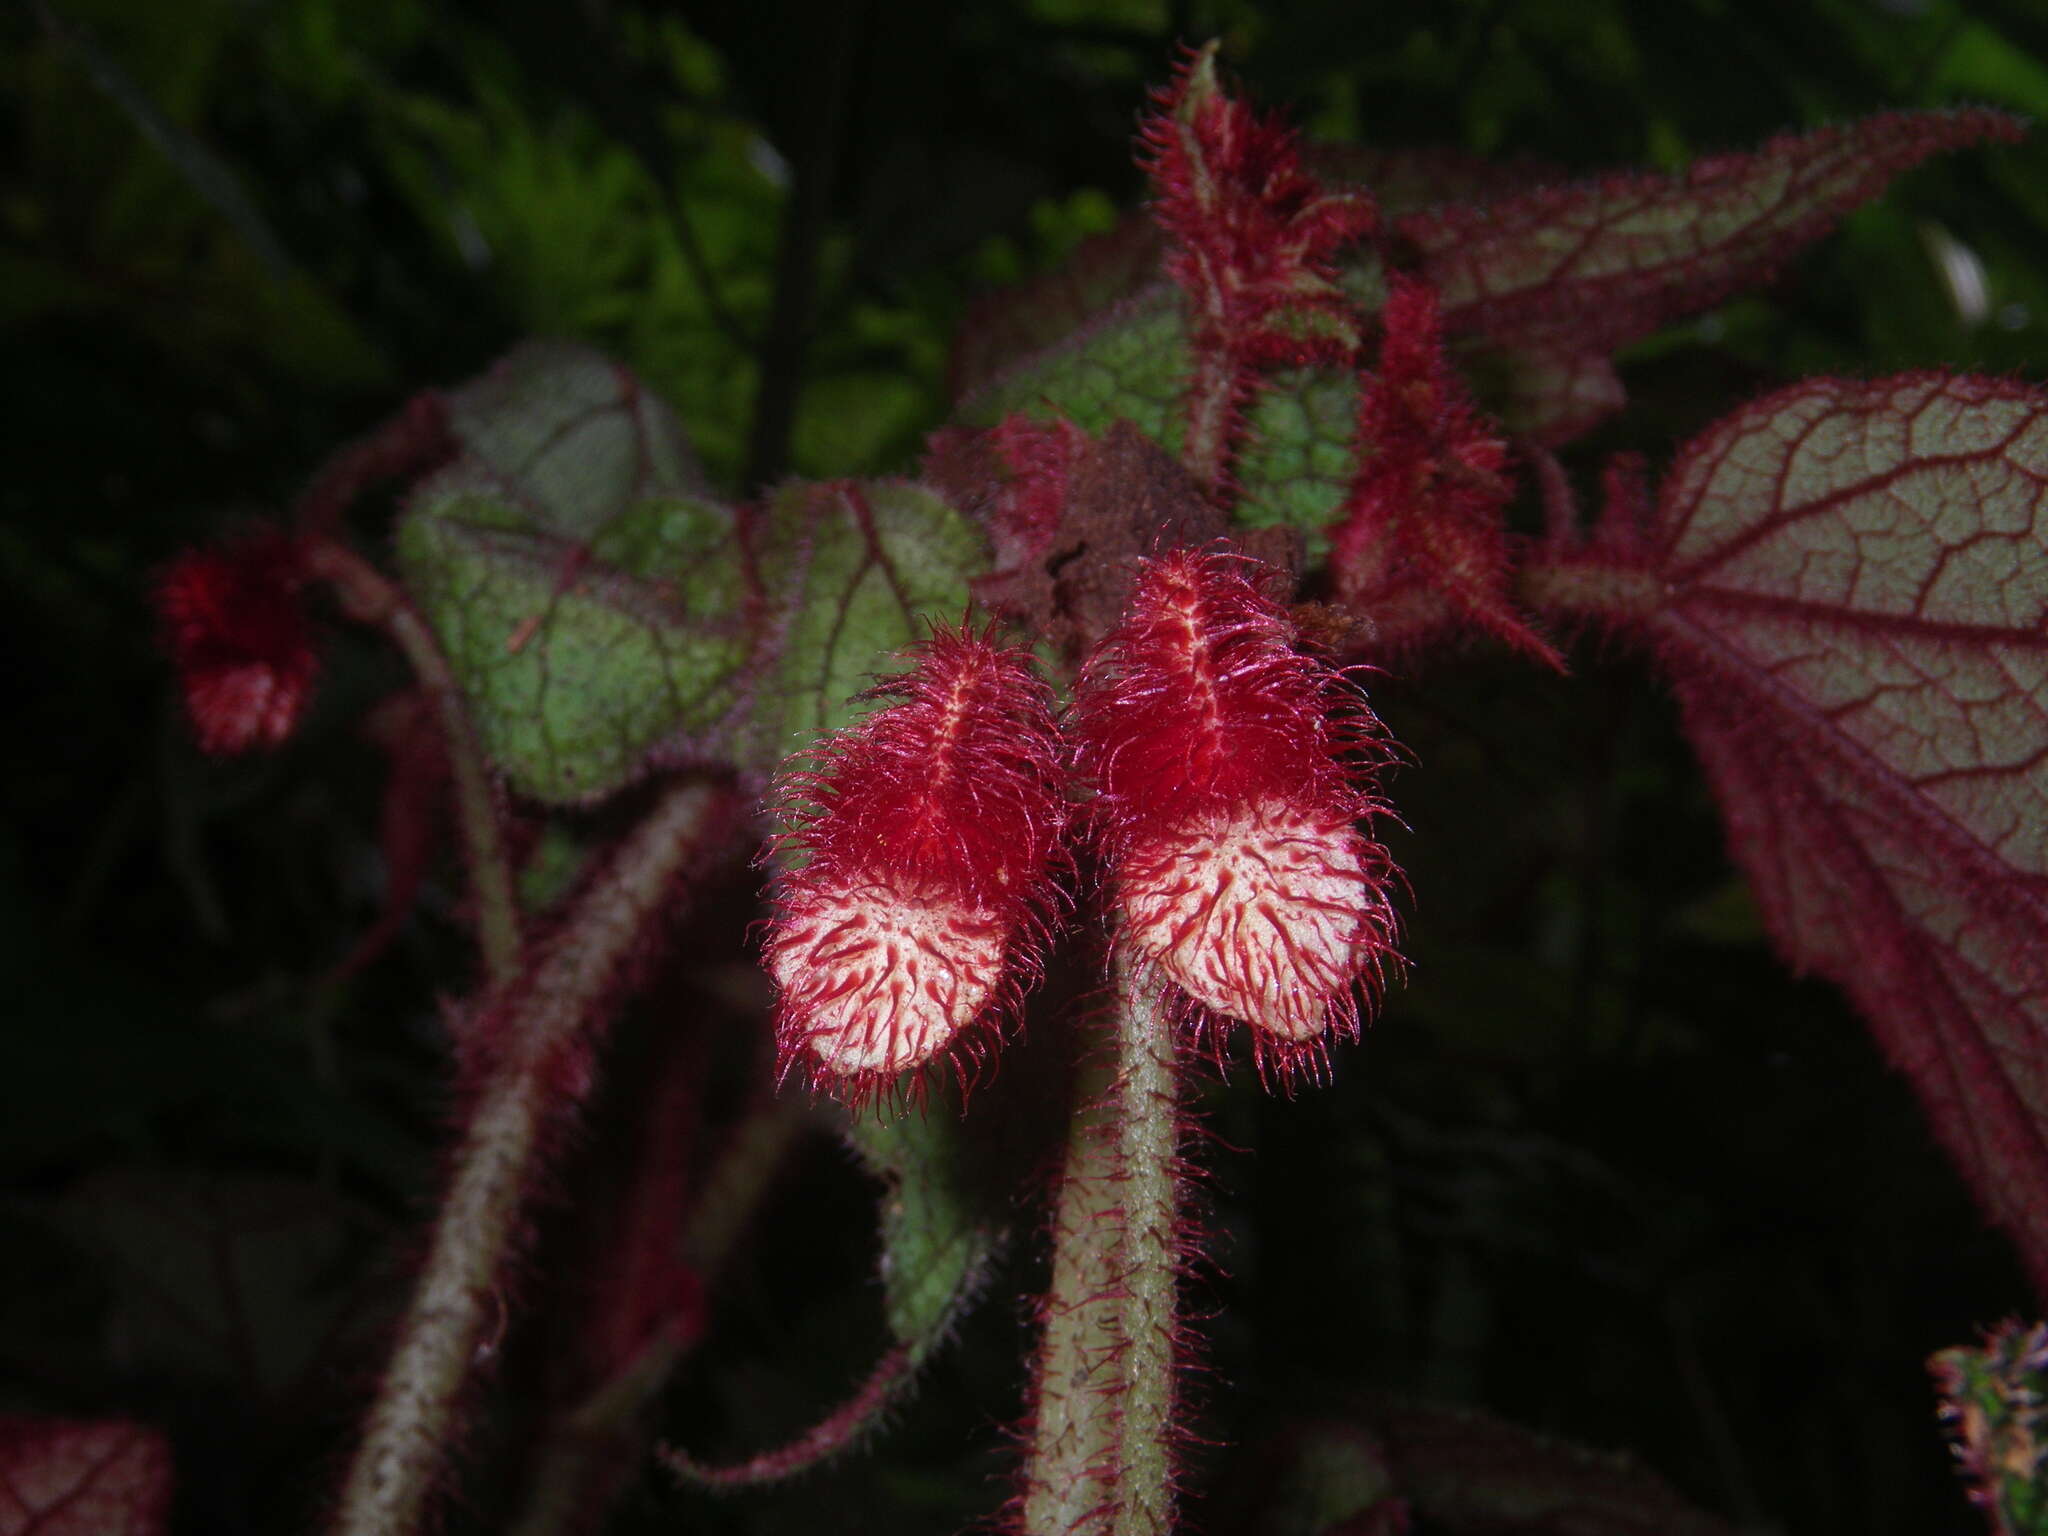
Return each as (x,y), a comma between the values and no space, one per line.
(1231,775)
(1256,237)
(238,632)
(920,866)
(1422,526)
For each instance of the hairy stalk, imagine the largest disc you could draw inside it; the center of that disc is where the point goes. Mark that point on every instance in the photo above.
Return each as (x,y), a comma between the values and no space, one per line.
(498,1165)
(1215,404)
(1580,586)
(593,1449)
(398,448)
(1101,1457)
(369,597)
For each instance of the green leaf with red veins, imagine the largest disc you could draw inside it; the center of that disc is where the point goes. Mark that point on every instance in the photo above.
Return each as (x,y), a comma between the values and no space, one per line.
(1295,460)
(1855,608)
(1013,323)
(74,1477)
(1570,273)
(583,658)
(1105,270)
(579,437)
(850,572)
(1538,292)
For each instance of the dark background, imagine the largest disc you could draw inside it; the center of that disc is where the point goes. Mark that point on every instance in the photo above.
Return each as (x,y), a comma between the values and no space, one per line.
(1603,1166)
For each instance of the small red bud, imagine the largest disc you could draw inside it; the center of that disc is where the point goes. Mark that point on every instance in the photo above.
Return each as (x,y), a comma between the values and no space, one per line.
(239,634)
(920,866)
(1231,776)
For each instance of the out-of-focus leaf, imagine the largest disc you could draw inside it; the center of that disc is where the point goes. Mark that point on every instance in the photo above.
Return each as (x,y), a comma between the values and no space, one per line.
(591,600)
(577,434)
(579,658)
(1569,273)
(1851,590)
(600,615)
(213,1278)
(73,1477)
(1465,1472)
(1331,1478)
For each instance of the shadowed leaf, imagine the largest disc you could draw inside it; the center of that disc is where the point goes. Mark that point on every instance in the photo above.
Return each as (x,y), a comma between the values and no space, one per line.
(1468,1472)
(938,1234)
(1856,612)
(62,1477)
(1566,274)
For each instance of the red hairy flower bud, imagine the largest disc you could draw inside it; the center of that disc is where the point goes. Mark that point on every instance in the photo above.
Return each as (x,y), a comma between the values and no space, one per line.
(236,628)
(1231,774)
(1256,237)
(920,866)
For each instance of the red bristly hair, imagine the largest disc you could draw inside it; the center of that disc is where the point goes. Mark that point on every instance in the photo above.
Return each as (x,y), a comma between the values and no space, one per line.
(1231,775)
(919,869)
(1256,236)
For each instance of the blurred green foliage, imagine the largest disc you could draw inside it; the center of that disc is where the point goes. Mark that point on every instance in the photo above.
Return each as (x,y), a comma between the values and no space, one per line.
(1602,1166)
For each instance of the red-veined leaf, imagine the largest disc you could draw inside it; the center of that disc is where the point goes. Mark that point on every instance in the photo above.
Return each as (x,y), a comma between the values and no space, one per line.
(1855,587)
(1575,271)
(66,1477)
(1105,269)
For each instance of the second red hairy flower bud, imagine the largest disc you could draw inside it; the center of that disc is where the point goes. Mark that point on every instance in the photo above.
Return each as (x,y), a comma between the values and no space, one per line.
(1230,772)
(235,623)
(919,866)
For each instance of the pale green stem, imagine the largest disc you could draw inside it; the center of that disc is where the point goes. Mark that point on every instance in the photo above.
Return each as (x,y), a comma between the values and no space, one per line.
(1102,1457)
(369,597)
(460,1291)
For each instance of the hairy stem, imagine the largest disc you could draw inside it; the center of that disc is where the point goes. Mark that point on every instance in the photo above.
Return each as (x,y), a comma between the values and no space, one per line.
(593,1449)
(1101,1460)
(1579,585)
(368,596)
(499,1162)
(1215,403)
(400,447)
